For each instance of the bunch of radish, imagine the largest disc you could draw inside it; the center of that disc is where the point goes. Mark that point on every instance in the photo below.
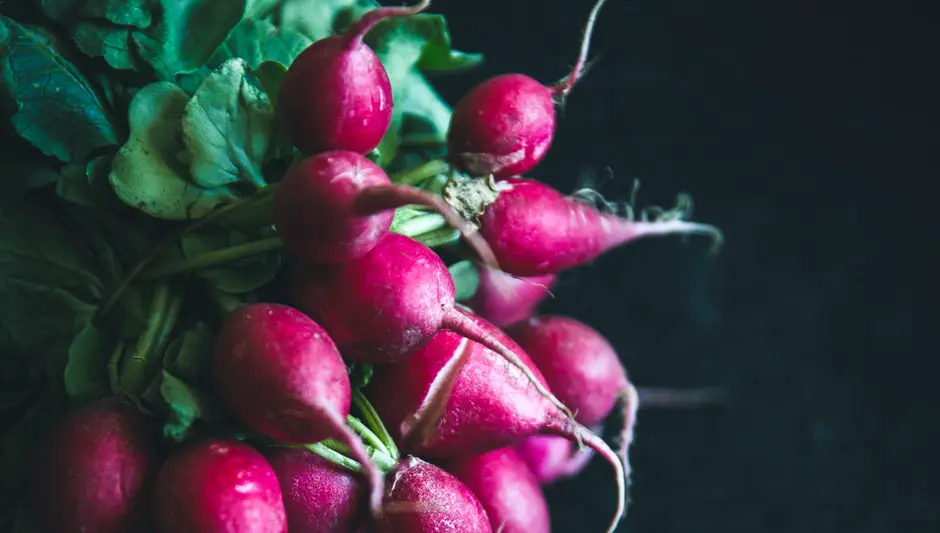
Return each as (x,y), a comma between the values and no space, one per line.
(471,407)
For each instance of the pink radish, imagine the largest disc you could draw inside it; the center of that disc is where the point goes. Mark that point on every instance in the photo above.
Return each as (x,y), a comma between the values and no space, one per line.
(384,305)
(504,299)
(281,374)
(422,498)
(319,496)
(454,397)
(95,471)
(218,486)
(336,206)
(580,366)
(584,369)
(336,94)
(505,125)
(506,488)
(553,458)
(535,230)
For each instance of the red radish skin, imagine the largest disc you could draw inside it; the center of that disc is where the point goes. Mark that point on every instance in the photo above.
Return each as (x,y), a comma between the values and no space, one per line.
(423,498)
(553,458)
(336,93)
(504,300)
(384,305)
(507,490)
(504,126)
(95,471)
(580,366)
(535,230)
(319,496)
(281,374)
(218,486)
(337,205)
(477,402)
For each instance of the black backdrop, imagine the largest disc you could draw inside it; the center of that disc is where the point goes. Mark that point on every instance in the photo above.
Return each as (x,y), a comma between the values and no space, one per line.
(802,130)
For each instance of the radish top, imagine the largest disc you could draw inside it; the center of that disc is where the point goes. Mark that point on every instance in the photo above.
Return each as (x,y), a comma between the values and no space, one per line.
(336,93)
(504,126)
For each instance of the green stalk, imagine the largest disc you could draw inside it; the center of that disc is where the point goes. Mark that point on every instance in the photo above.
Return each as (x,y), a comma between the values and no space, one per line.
(367,435)
(333,456)
(420,224)
(374,423)
(135,375)
(417,174)
(439,237)
(213,258)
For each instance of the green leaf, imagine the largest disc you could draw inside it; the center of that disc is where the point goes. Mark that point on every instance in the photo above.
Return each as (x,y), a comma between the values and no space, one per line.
(57,110)
(421,41)
(238,277)
(227,127)
(86,184)
(257,41)
(318,19)
(16,177)
(189,356)
(49,282)
(360,374)
(466,279)
(123,12)
(86,373)
(187,406)
(113,43)
(271,74)
(405,45)
(146,173)
(187,33)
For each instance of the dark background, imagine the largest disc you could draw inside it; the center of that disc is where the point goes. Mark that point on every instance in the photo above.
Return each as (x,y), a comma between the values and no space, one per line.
(803,130)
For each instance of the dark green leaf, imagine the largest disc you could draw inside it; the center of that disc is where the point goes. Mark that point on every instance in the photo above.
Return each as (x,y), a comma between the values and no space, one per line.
(466,279)
(318,19)
(18,176)
(57,110)
(86,373)
(187,33)
(189,356)
(101,39)
(237,277)
(257,41)
(360,374)
(187,406)
(121,12)
(425,36)
(271,74)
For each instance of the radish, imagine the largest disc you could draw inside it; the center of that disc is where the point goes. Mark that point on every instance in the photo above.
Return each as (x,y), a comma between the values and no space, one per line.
(454,397)
(281,374)
(336,93)
(503,299)
(218,486)
(319,496)
(384,305)
(553,458)
(95,471)
(535,230)
(506,488)
(580,366)
(336,206)
(423,498)
(505,125)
